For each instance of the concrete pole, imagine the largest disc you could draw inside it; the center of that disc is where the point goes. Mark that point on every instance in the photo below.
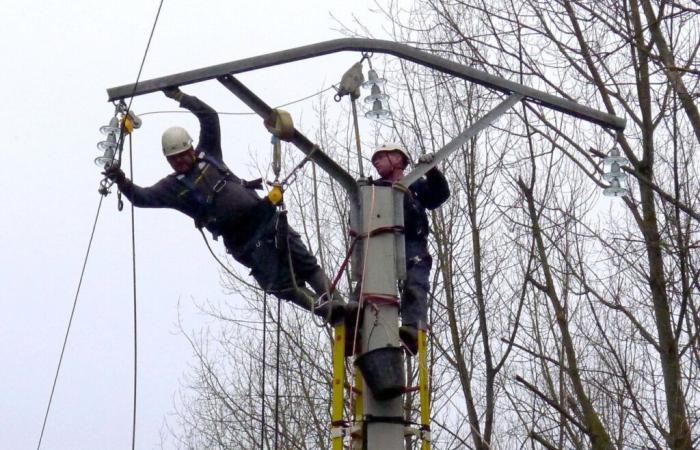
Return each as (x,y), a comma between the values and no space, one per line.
(381,264)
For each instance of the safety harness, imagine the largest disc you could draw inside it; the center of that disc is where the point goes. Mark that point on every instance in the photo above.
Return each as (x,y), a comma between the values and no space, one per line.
(204,196)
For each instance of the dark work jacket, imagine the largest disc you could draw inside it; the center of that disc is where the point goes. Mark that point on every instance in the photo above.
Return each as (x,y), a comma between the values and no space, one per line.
(426,193)
(235,212)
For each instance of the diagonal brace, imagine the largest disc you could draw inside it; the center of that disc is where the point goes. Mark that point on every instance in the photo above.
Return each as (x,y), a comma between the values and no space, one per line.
(458,141)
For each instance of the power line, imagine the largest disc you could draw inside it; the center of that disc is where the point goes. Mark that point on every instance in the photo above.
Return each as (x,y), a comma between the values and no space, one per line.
(229,113)
(145,53)
(82,274)
(70,322)
(277,373)
(133,275)
(133,234)
(263,427)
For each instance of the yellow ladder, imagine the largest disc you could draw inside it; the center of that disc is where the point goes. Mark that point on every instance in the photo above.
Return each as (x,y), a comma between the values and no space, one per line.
(424,389)
(339,427)
(358,412)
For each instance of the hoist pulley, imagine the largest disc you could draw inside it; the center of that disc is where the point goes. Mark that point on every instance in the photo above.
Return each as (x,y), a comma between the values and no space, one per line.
(350,82)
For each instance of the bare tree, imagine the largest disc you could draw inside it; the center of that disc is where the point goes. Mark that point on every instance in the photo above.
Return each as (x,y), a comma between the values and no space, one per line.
(631,58)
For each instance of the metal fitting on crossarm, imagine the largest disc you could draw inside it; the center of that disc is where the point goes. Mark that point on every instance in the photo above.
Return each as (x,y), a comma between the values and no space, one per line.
(280,124)
(350,82)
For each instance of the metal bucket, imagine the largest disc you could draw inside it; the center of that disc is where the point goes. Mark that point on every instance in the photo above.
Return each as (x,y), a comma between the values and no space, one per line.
(383,371)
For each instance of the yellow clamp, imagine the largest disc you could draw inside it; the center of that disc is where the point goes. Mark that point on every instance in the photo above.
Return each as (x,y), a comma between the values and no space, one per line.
(276,194)
(128,125)
(130,122)
(280,124)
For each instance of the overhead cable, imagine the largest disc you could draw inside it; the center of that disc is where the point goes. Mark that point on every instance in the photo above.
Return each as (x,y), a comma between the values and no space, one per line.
(70,322)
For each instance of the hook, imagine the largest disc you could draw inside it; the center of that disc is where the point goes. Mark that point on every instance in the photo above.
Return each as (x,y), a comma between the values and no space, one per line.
(337,97)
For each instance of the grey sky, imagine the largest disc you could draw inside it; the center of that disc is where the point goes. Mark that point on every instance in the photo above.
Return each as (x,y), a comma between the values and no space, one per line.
(58,59)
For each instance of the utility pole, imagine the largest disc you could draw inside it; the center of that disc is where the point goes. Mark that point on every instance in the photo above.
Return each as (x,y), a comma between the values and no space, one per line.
(381,264)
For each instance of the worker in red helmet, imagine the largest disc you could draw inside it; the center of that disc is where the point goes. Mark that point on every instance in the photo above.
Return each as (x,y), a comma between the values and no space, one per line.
(427,193)
(204,188)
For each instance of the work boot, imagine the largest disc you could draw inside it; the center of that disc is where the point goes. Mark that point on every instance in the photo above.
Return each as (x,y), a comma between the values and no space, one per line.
(332,311)
(319,282)
(300,296)
(409,336)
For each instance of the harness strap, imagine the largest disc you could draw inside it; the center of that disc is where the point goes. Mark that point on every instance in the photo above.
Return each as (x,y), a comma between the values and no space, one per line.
(220,166)
(204,199)
(255,184)
(199,196)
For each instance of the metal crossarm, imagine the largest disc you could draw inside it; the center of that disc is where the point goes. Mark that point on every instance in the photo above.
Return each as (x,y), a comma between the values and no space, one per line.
(377,46)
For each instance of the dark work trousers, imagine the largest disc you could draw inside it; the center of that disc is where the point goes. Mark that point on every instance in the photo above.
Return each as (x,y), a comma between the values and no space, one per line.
(268,256)
(414,296)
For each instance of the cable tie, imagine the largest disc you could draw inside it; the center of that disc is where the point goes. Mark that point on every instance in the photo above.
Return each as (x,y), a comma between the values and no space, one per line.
(385,419)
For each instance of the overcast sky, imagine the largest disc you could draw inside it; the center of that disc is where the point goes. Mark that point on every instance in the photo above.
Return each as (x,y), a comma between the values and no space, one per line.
(58,59)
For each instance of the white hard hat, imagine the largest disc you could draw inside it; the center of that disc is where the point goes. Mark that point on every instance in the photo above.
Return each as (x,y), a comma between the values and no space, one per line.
(392,147)
(176,140)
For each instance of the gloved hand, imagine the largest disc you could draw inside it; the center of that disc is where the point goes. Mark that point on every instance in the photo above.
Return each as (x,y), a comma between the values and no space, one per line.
(115,173)
(276,194)
(426,158)
(173,92)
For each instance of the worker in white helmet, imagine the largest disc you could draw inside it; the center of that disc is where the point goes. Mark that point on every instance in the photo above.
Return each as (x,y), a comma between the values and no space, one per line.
(204,188)
(427,193)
